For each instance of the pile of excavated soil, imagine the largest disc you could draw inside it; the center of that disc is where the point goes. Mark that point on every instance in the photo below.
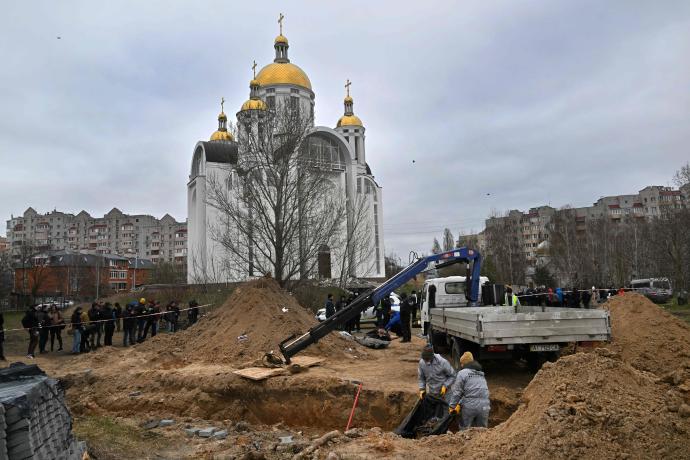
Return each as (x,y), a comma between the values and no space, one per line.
(253,321)
(647,336)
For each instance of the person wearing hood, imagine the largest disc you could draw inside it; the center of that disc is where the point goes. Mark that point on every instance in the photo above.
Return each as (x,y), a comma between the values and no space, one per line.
(434,374)
(469,395)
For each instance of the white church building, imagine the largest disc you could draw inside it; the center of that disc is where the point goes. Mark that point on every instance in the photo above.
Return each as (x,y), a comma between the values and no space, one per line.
(342,149)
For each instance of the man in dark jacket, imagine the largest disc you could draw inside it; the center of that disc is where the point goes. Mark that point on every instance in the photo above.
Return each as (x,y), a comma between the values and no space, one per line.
(406,306)
(193,312)
(44,328)
(129,326)
(117,311)
(330,306)
(95,326)
(30,323)
(386,310)
(109,325)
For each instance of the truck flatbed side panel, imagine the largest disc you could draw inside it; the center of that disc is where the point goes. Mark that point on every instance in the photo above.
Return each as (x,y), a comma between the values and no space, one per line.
(492,328)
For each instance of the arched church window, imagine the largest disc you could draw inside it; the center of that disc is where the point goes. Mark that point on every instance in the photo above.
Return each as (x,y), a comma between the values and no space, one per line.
(325,153)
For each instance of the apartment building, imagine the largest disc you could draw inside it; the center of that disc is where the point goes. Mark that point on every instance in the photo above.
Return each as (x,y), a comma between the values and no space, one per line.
(531,229)
(115,233)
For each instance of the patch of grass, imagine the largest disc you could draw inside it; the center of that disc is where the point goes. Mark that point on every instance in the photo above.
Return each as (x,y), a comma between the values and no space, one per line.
(681,311)
(108,438)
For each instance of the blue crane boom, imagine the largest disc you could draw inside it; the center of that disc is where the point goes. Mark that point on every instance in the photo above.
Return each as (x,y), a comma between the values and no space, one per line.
(293,344)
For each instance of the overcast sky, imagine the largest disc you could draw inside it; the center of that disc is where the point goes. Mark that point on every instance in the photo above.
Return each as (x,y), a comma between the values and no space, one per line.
(469,106)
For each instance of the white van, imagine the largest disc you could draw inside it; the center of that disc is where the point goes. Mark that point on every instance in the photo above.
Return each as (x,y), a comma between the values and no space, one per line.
(657,290)
(446,292)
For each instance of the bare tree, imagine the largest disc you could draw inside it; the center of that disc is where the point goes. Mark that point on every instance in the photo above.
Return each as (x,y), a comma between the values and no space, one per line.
(353,248)
(504,249)
(448,240)
(682,176)
(6,276)
(283,206)
(436,247)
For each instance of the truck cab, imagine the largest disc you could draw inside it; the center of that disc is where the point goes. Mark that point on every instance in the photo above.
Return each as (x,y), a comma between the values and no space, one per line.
(447,292)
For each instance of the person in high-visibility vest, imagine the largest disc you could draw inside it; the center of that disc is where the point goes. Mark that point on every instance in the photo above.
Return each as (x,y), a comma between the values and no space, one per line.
(511,299)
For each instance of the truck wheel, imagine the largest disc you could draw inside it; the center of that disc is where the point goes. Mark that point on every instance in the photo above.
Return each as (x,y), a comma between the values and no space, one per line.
(437,340)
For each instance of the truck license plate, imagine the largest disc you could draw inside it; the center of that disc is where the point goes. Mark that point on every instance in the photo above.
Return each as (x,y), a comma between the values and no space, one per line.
(544,347)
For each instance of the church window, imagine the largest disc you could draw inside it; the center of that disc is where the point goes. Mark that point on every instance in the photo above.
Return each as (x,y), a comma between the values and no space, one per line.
(356,149)
(294,103)
(324,153)
(270,90)
(271,102)
(359,185)
(294,91)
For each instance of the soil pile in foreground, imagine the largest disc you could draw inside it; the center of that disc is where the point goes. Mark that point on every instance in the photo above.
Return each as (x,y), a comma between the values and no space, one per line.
(647,336)
(253,321)
(590,405)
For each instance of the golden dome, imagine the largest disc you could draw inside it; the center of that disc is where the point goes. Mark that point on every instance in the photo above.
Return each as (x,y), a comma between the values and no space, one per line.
(281,39)
(254,82)
(348,99)
(222,116)
(221,136)
(278,73)
(254,104)
(349,120)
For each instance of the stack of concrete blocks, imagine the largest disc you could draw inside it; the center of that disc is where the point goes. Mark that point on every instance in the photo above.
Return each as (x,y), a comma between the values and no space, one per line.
(34,421)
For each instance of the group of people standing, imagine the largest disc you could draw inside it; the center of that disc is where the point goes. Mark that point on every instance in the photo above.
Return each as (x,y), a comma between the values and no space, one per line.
(566,298)
(94,327)
(43,323)
(400,321)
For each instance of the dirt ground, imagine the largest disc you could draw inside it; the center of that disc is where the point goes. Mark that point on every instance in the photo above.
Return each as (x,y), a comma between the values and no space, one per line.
(628,400)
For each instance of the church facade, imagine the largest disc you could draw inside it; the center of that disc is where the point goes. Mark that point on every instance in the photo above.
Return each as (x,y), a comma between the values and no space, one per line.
(341,150)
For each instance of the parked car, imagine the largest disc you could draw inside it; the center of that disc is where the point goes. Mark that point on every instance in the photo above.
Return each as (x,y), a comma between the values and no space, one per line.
(369,313)
(658,290)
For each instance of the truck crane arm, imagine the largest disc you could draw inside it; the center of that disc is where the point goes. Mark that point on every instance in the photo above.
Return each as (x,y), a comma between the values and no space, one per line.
(293,344)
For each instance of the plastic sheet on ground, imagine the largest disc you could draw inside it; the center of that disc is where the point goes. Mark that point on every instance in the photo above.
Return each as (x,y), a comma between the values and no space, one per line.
(428,417)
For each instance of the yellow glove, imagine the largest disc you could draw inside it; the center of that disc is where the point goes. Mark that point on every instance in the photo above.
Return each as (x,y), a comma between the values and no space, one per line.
(421,394)
(443,390)
(454,410)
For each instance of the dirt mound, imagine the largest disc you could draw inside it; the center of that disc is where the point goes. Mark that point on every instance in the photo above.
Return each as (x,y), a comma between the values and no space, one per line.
(253,321)
(587,405)
(647,336)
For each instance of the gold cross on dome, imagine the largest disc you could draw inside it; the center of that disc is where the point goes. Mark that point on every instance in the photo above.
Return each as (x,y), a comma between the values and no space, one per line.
(280,21)
(254,69)
(347,86)
(222,102)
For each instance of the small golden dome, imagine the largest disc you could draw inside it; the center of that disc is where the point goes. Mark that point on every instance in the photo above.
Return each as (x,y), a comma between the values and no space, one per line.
(254,82)
(281,39)
(348,99)
(222,116)
(285,73)
(349,120)
(221,136)
(254,104)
